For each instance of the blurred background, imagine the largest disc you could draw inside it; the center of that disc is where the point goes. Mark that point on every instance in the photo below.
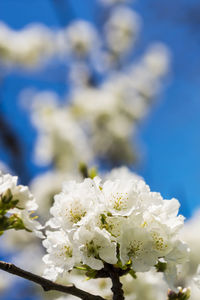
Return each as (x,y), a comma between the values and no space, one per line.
(102,82)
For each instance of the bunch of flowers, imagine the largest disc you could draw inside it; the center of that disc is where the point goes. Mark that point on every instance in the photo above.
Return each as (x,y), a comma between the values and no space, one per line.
(17,206)
(61,140)
(117,222)
(27,47)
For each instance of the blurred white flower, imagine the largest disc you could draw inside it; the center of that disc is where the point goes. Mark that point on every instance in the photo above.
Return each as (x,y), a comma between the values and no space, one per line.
(147,74)
(46,186)
(4,168)
(93,102)
(17,240)
(82,38)
(4,281)
(121,30)
(79,74)
(122,173)
(61,140)
(190,271)
(27,47)
(99,112)
(190,232)
(157,59)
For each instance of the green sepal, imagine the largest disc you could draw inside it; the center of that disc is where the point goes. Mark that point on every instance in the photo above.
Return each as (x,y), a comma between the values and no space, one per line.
(132,273)
(87,173)
(83,169)
(92,172)
(7,202)
(161,266)
(80,268)
(7,196)
(91,274)
(17,223)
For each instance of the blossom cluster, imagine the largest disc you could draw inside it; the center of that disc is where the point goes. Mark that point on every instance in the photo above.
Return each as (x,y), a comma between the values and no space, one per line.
(104,102)
(60,139)
(17,206)
(103,119)
(25,47)
(119,222)
(80,39)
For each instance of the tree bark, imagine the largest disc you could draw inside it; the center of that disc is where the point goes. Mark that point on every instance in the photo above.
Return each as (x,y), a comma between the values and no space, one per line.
(118,293)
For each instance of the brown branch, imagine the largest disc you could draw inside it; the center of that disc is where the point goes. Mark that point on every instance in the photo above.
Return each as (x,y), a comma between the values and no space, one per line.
(46,284)
(104,273)
(117,290)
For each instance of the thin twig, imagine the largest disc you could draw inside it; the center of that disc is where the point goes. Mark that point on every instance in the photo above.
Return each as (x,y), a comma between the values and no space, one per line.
(46,284)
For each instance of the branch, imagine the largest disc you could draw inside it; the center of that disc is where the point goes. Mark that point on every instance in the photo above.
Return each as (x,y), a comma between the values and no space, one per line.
(117,290)
(104,273)
(46,284)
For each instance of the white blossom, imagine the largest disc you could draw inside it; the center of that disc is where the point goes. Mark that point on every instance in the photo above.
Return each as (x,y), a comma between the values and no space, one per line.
(121,29)
(124,196)
(26,204)
(95,246)
(73,205)
(61,140)
(82,38)
(121,216)
(61,255)
(136,244)
(46,186)
(27,47)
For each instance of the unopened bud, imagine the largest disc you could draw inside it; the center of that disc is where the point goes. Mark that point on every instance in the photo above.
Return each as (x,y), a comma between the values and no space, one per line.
(182,294)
